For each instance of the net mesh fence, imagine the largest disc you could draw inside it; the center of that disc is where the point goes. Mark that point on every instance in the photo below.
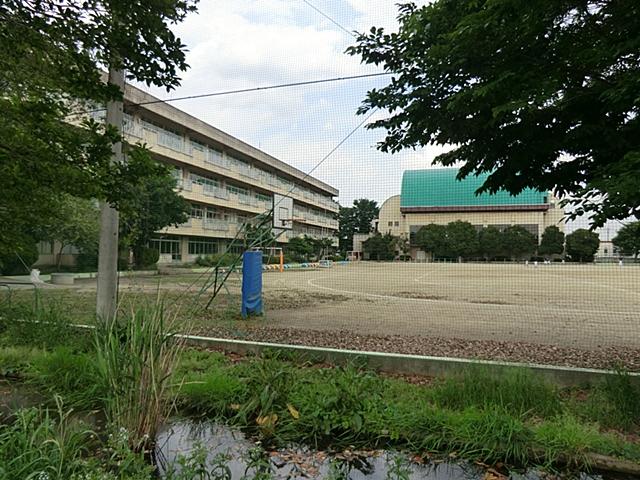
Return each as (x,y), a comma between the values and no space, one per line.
(387,252)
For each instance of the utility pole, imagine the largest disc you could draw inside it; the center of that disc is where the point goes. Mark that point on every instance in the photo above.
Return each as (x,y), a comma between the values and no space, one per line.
(107,289)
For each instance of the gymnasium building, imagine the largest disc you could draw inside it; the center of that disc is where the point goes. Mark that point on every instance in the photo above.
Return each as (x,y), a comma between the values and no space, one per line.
(436,196)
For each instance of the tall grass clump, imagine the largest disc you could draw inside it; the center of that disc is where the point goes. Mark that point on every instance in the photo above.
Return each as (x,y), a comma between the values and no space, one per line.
(136,355)
(518,391)
(43,444)
(70,375)
(615,403)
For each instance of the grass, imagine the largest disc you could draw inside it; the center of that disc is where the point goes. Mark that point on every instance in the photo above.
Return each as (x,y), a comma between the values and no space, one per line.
(509,418)
(43,445)
(135,356)
(135,372)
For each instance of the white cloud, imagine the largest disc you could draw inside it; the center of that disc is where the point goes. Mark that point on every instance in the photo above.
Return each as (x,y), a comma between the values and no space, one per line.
(237,44)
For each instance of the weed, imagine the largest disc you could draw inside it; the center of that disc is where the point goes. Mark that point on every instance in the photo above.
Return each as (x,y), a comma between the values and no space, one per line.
(42,324)
(398,468)
(615,403)
(567,439)
(518,391)
(258,465)
(15,361)
(135,357)
(217,393)
(73,376)
(41,445)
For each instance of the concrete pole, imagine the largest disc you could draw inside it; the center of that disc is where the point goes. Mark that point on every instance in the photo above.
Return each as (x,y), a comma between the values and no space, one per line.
(107,289)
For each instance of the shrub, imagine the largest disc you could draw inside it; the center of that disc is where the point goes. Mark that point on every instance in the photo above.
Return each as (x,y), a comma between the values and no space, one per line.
(147,257)
(217,260)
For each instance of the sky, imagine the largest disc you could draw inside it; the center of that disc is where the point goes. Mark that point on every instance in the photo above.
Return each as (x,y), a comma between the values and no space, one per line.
(236,44)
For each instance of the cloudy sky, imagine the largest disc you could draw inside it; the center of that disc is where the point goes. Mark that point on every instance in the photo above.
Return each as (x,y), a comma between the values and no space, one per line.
(236,44)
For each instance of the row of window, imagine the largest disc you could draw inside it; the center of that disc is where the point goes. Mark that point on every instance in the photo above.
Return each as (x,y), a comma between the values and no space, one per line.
(176,141)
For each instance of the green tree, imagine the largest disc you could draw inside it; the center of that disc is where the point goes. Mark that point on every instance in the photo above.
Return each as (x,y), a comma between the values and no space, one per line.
(346,228)
(539,94)
(432,239)
(462,240)
(490,242)
(148,207)
(582,245)
(627,241)
(51,57)
(380,247)
(518,242)
(75,221)
(355,219)
(300,248)
(552,242)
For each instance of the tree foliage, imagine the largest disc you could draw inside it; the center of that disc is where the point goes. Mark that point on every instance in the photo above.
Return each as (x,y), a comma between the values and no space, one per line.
(627,241)
(490,242)
(582,245)
(537,94)
(462,239)
(356,219)
(150,206)
(518,242)
(75,221)
(552,242)
(51,56)
(432,238)
(380,247)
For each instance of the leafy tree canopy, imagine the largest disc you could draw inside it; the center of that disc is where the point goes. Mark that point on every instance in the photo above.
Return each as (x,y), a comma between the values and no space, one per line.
(462,239)
(356,219)
(552,242)
(627,241)
(432,238)
(380,247)
(518,242)
(150,206)
(582,245)
(490,242)
(51,56)
(540,94)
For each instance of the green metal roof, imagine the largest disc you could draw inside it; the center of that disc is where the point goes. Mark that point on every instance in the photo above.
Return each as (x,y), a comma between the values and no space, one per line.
(439,187)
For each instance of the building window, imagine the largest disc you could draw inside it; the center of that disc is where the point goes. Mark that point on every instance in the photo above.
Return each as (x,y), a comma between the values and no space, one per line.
(202,246)
(263,198)
(197,211)
(390,224)
(397,224)
(167,246)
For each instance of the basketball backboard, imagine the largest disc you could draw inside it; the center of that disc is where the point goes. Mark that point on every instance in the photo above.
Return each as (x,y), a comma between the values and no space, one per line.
(282,212)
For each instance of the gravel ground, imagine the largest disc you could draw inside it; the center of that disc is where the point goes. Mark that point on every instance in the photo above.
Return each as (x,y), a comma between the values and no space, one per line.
(603,357)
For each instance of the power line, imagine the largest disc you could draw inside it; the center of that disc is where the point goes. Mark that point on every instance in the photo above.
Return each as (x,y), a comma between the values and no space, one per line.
(335,22)
(246,90)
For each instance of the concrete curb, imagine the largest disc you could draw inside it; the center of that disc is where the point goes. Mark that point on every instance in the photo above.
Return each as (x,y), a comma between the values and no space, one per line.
(404,363)
(408,364)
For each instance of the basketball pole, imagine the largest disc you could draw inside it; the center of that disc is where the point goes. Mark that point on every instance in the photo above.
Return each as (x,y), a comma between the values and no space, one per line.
(281,261)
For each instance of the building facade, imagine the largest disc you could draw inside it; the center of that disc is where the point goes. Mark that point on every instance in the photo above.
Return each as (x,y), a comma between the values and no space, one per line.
(436,196)
(227,181)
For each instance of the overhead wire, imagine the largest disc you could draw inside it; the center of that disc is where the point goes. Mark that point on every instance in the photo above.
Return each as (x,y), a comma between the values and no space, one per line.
(241,90)
(335,22)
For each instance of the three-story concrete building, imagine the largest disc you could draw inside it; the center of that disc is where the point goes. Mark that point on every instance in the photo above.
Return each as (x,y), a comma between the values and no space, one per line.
(226,180)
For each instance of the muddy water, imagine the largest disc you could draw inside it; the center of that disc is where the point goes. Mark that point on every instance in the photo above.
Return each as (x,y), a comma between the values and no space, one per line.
(226,446)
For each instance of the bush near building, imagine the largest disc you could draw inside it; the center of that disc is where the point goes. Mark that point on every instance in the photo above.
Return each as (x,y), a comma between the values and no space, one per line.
(582,245)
